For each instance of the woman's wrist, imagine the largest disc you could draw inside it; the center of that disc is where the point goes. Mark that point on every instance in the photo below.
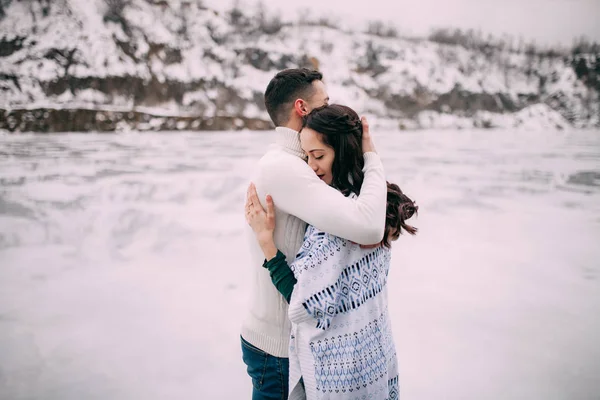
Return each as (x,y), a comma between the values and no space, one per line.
(269,250)
(267,244)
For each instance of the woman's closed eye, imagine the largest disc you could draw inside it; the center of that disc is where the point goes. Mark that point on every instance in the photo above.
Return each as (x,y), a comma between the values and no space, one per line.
(319,157)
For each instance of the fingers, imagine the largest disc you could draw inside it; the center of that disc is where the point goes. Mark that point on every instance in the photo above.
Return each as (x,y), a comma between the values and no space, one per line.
(248,207)
(365,125)
(248,195)
(247,213)
(254,209)
(252,195)
(248,192)
(367,140)
(254,201)
(251,198)
(270,207)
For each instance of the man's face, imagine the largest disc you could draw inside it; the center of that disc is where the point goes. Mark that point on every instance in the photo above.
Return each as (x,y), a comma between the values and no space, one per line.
(319,97)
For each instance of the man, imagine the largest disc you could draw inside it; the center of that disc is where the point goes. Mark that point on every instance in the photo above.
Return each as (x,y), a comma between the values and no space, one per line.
(300,198)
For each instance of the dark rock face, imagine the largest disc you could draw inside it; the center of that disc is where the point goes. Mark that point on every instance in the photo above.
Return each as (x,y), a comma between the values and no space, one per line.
(468,103)
(407,106)
(457,101)
(77,120)
(10,46)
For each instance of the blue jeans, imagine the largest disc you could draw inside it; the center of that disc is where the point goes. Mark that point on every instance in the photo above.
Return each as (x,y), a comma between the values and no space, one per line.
(270,374)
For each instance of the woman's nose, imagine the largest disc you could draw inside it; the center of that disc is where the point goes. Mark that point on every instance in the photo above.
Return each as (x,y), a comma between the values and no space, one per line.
(313,165)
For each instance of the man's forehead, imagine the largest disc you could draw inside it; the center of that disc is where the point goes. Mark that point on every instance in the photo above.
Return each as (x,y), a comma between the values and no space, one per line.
(320,89)
(319,85)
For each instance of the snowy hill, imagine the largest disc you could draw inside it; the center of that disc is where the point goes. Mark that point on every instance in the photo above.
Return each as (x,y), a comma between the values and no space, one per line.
(157,64)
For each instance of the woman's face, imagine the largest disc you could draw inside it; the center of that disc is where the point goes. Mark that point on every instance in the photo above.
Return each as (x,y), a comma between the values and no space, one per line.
(320,155)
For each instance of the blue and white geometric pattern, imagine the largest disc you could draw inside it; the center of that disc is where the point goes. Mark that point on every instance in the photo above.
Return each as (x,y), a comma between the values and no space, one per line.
(317,247)
(356,284)
(393,389)
(343,287)
(349,362)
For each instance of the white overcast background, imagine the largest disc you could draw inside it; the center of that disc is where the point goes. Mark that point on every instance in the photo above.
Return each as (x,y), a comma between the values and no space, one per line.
(547,22)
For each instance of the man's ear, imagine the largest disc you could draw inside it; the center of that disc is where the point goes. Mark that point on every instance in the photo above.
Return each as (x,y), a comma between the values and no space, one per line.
(300,107)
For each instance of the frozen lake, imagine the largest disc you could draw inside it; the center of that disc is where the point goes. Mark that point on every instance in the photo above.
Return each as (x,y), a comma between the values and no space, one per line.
(123,264)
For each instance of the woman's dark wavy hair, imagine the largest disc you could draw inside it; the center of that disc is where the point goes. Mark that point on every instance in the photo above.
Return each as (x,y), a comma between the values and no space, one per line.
(400,208)
(341,128)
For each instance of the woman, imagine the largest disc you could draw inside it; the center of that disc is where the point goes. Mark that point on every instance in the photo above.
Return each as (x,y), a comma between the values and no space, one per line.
(341,345)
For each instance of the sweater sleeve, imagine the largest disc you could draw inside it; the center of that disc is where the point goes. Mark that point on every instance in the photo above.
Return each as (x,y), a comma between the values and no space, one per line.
(298,191)
(281,275)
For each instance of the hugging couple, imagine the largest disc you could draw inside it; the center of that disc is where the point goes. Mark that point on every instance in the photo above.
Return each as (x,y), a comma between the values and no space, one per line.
(323,218)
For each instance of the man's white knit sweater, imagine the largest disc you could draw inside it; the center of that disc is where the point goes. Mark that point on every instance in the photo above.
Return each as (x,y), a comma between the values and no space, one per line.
(300,197)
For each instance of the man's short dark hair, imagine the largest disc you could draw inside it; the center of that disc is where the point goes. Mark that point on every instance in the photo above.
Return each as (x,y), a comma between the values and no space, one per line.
(287,86)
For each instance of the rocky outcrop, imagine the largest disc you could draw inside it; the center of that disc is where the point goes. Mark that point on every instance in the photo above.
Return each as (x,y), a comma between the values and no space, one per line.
(69,64)
(82,120)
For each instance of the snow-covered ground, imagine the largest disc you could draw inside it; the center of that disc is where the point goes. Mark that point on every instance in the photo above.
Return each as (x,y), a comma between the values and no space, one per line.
(123,264)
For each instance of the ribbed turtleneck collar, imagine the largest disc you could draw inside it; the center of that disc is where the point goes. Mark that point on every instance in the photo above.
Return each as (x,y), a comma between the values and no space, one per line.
(289,139)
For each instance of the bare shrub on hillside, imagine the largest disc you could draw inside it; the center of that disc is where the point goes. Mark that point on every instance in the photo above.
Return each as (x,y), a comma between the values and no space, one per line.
(378,28)
(115,12)
(3,6)
(268,24)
